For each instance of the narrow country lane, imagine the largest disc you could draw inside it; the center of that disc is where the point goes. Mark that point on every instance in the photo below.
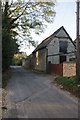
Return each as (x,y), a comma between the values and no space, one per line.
(32,95)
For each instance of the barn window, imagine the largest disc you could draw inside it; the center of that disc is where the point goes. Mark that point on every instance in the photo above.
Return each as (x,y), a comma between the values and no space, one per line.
(37,55)
(63,46)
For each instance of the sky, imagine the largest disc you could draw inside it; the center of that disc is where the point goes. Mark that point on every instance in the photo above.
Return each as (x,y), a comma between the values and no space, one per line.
(65,16)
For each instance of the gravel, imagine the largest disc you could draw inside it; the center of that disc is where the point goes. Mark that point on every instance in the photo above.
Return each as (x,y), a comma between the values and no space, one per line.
(2,102)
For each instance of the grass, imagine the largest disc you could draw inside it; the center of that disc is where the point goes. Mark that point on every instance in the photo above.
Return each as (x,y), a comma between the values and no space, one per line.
(5,77)
(70,84)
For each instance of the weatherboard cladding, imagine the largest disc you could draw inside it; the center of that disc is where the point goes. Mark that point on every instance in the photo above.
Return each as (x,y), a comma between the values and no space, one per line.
(45,42)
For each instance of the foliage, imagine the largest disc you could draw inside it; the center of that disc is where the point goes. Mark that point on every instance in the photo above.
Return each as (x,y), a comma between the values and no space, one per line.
(19,19)
(9,45)
(70,84)
(18,57)
(30,17)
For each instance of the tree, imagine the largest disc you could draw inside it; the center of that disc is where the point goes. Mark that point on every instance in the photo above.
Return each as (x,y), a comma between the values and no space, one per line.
(18,57)
(9,45)
(19,19)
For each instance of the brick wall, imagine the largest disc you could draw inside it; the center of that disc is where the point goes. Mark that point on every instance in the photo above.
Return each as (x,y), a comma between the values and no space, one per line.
(69,69)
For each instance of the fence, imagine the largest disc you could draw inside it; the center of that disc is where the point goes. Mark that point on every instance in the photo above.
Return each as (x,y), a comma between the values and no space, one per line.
(65,69)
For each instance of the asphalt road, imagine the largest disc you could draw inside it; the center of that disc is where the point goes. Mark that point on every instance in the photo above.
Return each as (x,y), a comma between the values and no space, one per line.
(32,95)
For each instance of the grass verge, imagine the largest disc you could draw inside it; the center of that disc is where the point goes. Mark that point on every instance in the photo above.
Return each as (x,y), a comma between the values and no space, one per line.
(70,84)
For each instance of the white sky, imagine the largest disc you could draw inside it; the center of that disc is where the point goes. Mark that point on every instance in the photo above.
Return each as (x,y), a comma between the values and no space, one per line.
(65,16)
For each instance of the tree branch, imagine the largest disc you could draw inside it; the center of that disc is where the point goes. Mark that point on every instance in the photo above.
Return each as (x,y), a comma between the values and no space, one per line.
(19,15)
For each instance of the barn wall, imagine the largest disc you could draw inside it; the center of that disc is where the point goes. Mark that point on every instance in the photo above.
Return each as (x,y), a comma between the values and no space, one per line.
(39,60)
(53,48)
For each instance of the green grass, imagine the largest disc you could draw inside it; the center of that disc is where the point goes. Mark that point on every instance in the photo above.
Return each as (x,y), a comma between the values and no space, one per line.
(70,84)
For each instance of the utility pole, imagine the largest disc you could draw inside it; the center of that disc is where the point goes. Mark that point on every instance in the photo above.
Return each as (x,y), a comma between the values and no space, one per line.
(78,42)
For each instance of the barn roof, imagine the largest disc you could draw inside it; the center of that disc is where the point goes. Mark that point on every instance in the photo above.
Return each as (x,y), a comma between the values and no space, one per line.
(46,41)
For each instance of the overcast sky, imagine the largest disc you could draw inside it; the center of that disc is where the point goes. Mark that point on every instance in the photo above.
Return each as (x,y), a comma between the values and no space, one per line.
(65,16)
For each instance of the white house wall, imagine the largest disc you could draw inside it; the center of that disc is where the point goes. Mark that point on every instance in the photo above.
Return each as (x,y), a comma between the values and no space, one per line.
(53,48)
(70,48)
(61,33)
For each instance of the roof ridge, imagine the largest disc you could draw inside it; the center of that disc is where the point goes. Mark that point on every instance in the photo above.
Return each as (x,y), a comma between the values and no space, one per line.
(50,35)
(47,40)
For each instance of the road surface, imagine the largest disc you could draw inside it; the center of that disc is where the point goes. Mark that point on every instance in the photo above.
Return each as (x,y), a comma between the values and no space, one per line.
(32,95)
